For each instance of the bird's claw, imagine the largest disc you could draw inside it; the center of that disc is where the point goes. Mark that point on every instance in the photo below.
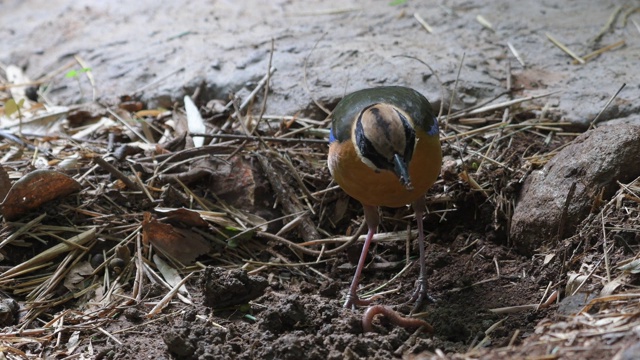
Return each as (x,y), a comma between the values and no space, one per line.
(420,295)
(353,300)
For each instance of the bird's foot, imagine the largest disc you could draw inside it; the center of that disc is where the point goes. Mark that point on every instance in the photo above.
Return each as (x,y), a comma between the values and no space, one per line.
(420,295)
(353,300)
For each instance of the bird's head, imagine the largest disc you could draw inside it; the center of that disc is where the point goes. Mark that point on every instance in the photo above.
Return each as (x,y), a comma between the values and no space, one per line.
(385,138)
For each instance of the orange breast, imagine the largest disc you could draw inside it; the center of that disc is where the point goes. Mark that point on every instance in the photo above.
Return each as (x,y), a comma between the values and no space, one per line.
(383,188)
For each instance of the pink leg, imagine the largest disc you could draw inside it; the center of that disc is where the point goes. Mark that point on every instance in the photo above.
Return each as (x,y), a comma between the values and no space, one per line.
(372,219)
(421,292)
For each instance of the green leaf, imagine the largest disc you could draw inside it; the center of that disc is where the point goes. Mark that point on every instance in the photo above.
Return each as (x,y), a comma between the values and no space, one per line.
(397,2)
(75,73)
(232,243)
(11,107)
(71,73)
(250,317)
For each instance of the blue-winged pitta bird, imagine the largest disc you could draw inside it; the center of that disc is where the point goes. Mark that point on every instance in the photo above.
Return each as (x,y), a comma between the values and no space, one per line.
(385,151)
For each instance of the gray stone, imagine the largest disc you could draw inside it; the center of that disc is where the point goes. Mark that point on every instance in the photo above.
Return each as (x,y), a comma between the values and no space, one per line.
(9,312)
(594,161)
(631,352)
(571,305)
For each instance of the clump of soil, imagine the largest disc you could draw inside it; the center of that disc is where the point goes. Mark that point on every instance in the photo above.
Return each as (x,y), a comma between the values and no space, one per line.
(222,288)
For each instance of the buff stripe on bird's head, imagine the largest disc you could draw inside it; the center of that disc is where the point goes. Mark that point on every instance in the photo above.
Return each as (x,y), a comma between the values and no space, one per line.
(385,140)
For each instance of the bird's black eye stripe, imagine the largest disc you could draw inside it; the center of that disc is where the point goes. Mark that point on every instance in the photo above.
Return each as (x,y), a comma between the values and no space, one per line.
(367,150)
(410,136)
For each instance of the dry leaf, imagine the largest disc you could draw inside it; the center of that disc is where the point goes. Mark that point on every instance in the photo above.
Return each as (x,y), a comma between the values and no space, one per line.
(35,189)
(181,244)
(573,282)
(170,275)
(150,113)
(548,258)
(74,341)
(610,287)
(77,274)
(194,121)
(233,181)
(632,267)
(183,216)
(341,208)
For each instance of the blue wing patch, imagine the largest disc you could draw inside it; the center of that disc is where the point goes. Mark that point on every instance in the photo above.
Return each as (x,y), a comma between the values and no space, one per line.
(434,128)
(332,137)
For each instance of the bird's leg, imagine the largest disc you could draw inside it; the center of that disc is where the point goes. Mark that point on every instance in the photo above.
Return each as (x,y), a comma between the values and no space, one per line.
(420,293)
(372,219)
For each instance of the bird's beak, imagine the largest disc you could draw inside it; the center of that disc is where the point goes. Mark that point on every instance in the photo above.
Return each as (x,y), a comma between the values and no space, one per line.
(400,168)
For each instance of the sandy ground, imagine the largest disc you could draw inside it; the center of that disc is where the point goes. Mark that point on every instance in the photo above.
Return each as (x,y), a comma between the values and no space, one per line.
(159,53)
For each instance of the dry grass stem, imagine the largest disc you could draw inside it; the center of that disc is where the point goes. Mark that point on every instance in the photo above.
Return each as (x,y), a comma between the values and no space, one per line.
(484,22)
(49,254)
(562,47)
(609,24)
(167,298)
(328,11)
(422,22)
(516,54)
(595,119)
(501,105)
(601,51)
(636,25)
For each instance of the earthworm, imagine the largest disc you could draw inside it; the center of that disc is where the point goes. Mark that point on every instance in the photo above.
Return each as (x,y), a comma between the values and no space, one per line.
(393,317)
(550,300)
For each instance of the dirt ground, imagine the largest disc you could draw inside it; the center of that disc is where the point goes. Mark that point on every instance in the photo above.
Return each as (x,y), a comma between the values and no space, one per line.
(271,291)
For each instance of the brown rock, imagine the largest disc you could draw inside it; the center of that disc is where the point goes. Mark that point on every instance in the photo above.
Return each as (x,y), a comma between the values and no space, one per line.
(593,162)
